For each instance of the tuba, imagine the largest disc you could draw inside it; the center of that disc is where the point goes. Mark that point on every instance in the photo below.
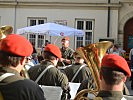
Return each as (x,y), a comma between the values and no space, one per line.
(93,54)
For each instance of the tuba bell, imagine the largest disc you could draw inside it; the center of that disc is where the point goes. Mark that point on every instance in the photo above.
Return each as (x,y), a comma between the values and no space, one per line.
(93,54)
(5,30)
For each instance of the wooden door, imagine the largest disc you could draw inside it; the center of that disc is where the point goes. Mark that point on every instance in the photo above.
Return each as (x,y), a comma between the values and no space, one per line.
(128,35)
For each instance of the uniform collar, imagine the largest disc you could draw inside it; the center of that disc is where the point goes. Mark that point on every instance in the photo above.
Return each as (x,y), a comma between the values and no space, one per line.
(110,94)
(8,70)
(47,62)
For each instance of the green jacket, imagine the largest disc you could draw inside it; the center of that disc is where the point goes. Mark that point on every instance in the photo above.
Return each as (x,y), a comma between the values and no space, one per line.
(52,77)
(16,87)
(84,73)
(110,95)
(67,54)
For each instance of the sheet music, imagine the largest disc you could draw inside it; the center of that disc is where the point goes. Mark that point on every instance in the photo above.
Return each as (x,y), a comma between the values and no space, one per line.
(74,87)
(52,92)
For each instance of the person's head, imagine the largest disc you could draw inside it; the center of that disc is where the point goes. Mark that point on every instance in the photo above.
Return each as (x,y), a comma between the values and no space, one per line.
(13,51)
(114,69)
(46,42)
(65,42)
(78,58)
(29,58)
(34,56)
(52,53)
(115,47)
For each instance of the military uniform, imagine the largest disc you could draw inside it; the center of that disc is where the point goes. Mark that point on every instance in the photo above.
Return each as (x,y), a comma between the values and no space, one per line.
(67,54)
(16,87)
(52,77)
(84,73)
(13,52)
(110,95)
(113,65)
(87,84)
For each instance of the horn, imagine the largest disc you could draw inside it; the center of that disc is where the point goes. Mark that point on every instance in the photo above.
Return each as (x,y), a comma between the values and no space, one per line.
(5,30)
(93,54)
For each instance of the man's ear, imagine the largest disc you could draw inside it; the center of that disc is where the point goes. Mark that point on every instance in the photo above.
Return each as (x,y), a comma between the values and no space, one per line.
(124,79)
(22,61)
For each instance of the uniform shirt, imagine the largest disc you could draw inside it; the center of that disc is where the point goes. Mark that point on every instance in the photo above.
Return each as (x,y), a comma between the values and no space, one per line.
(110,95)
(52,77)
(16,87)
(84,73)
(67,54)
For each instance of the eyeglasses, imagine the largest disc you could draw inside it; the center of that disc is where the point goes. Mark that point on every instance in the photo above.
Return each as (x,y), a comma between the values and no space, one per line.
(28,58)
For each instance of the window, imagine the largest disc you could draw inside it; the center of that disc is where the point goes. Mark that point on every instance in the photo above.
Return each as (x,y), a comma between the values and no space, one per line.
(36,39)
(87,26)
(79,41)
(32,38)
(40,41)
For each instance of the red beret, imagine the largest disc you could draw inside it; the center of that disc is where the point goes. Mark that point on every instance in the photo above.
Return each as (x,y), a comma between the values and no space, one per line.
(65,38)
(116,61)
(17,45)
(54,50)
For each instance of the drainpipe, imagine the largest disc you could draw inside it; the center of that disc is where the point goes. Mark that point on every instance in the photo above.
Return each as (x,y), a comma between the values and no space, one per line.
(15,14)
(108,22)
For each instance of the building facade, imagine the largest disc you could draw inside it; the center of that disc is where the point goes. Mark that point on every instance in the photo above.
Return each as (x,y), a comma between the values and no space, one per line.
(100,19)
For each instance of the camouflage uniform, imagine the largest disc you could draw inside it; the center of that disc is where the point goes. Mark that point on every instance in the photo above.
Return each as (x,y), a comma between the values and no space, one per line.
(67,54)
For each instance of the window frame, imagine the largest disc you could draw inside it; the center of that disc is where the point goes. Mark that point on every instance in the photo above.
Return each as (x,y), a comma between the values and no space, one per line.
(36,35)
(84,29)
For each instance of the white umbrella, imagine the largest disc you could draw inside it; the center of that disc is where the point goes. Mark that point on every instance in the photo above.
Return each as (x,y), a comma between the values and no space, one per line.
(51,29)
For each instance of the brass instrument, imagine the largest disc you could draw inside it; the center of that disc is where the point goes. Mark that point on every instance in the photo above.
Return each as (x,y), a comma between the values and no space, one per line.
(5,30)
(93,54)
